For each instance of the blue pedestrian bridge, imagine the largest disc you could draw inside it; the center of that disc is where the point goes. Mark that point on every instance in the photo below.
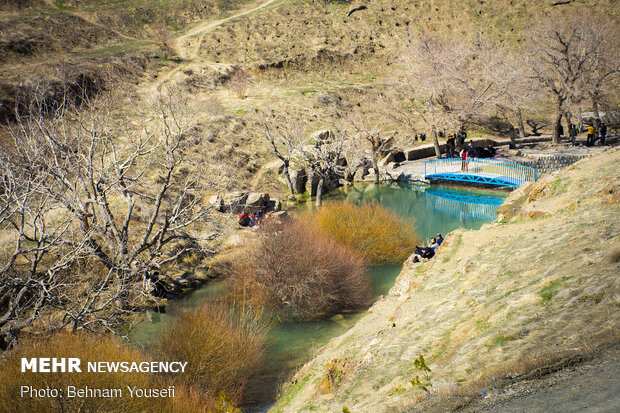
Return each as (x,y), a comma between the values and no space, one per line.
(479,171)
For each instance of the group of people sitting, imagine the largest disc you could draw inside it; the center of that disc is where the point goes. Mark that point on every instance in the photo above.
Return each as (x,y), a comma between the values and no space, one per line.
(251,219)
(428,251)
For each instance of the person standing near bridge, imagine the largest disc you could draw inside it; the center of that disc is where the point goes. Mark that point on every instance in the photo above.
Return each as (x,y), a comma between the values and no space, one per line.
(464,156)
(591,136)
(603,133)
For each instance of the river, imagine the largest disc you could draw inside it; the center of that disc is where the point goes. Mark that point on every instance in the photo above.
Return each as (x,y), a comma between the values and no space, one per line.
(436,209)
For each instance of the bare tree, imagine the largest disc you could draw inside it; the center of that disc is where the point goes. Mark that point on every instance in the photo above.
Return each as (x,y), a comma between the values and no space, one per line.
(602,39)
(283,146)
(167,43)
(559,57)
(324,158)
(442,83)
(514,88)
(239,82)
(91,205)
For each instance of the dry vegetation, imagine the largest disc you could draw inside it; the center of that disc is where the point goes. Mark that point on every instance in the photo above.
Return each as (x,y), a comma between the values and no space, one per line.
(222,344)
(380,235)
(86,347)
(299,273)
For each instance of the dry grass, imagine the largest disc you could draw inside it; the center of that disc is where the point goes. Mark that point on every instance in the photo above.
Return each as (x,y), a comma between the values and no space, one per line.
(86,347)
(223,345)
(382,236)
(300,273)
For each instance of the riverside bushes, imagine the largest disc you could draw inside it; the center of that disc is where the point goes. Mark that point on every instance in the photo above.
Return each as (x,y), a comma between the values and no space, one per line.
(87,347)
(382,236)
(95,347)
(223,345)
(300,273)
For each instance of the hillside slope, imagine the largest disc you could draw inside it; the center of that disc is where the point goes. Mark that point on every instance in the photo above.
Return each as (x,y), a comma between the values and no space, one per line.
(537,285)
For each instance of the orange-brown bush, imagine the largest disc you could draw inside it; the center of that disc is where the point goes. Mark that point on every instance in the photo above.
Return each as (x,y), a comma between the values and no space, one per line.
(87,347)
(223,345)
(382,236)
(300,273)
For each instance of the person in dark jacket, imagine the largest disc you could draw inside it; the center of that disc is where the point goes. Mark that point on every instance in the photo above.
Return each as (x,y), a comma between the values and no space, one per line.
(603,133)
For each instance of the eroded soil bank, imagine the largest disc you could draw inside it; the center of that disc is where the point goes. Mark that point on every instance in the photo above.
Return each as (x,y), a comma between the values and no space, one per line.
(536,286)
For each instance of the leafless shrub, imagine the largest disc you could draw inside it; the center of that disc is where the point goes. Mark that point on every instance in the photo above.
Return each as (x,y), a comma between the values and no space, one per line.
(239,82)
(300,273)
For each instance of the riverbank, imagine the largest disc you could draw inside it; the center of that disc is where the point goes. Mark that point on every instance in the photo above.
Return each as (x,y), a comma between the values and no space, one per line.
(517,293)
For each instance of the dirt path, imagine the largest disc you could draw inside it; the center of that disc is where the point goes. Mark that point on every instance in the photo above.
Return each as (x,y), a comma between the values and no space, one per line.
(84,16)
(190,51)
(592,385)
(210,25)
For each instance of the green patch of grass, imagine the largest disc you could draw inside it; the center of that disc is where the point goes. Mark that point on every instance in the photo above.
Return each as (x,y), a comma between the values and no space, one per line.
(502,340)
(240,111)
(307,91)
(547,292)
(290,393)
(396,390)
(483,325)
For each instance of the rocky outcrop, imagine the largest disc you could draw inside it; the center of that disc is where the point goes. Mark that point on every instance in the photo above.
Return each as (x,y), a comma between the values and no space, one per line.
(299,179)
(237,202)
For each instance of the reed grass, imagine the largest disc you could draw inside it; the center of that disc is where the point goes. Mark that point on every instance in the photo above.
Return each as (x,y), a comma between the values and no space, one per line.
(223,345)
(380,235)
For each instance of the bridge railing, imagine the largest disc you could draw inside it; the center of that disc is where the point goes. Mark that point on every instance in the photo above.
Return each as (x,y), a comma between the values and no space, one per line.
(484,167)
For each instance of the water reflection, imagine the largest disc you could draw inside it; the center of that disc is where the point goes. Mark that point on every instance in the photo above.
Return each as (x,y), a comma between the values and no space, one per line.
(433,208)
(464,206)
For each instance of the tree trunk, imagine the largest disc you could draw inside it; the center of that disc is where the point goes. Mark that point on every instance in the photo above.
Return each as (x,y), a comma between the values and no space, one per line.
(556,122)
(375,165)
(436,142)
(319,192)
(597,117)
(513,136)
(288,180)
(520,123)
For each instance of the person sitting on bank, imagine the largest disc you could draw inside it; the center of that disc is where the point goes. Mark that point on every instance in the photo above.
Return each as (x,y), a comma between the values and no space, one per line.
(439,239)
(425,252)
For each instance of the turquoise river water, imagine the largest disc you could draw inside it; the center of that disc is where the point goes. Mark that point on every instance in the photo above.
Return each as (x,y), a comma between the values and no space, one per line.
(435,208)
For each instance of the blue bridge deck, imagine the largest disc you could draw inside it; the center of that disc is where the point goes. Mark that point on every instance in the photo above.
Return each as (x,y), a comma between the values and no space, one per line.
(480,171)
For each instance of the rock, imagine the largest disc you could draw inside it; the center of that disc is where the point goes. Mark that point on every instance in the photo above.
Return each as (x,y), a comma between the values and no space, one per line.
(216,202)
(277,206)
(344,182)
(322,136)
(360,173)
(393,165)
(280,217)
(392,156)
(234,202)
(256,200)
(299,179)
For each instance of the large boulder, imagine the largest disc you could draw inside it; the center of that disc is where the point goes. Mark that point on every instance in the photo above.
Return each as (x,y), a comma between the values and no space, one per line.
(256,200)
(392,156)
(299,179)
(233,202)
(360,173)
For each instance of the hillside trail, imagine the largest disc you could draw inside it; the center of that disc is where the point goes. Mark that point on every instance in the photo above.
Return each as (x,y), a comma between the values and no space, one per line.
(188,54)
(84,16)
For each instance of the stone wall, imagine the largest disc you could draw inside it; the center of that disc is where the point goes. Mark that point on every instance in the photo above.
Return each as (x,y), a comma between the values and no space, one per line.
(550,163)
